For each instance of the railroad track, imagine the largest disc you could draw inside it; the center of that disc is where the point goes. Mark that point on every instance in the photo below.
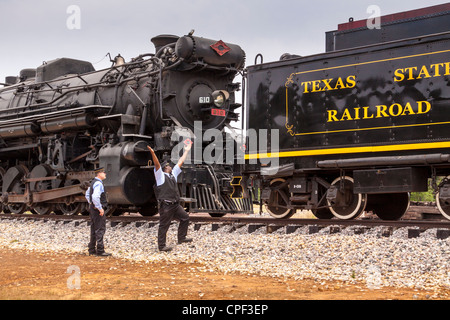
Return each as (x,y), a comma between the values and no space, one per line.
(270,224)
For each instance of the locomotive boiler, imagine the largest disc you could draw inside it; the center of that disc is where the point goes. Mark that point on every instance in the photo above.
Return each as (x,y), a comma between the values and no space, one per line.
(63,120)
(360,126)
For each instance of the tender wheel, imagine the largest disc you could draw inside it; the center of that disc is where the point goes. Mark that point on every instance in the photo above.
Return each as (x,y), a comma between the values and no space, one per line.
(443,203)
(279,200)
(389,206)
(346,205)
(323,213)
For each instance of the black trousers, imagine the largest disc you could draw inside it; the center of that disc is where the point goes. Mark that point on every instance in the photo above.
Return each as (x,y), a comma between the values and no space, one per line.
(98,228)
(168,212)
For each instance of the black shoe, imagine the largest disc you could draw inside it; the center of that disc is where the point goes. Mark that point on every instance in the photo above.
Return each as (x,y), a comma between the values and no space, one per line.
(103,254)
(186,240)
(92,253)
(166,249)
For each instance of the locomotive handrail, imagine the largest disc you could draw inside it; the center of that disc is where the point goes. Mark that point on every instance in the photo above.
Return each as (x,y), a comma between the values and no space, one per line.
(79,110)
(259,55)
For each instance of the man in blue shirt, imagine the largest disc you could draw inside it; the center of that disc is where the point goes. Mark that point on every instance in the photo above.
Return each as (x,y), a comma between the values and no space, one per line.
(96,198)
(166,191)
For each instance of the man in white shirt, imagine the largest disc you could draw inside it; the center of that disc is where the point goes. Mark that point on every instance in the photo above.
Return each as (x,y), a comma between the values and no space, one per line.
(167,193)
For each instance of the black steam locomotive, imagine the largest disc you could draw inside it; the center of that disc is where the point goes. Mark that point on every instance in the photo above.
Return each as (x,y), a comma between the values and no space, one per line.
(360,126)
(63,120)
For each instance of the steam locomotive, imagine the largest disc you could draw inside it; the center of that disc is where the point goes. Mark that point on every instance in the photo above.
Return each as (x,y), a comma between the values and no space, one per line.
(63,120)
(356,128)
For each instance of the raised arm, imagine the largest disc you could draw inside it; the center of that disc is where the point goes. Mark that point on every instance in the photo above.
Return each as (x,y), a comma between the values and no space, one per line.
(187,148)
(155,158)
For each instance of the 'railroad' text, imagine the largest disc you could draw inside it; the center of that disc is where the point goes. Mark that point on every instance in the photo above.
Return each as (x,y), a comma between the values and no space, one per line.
(381,111)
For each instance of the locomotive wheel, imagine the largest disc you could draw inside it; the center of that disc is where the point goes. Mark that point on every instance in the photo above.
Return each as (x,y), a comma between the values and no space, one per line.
(17,208)
(347,205)
(42,209)
(2,207)
(323,213)
(70,209)
(444,207)
(15,185)
(111,210)
(149,210)
(41,171)
(389,206)
(278,200)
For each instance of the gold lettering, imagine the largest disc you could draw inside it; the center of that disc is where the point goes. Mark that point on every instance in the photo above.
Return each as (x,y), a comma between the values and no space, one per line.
(411,75)
(351,81)
(399,73)
(306,86)
(316,86)
(423,71)
(340,84)
(447,69)
(399,109)
(409,109)
(366,111)
(436,69)
(346,115)
(332,115)
(420,107)
(357,114)
(381,110)
(327,84)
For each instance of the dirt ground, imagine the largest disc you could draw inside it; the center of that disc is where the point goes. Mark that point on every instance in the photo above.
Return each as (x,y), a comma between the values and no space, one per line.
(27,275)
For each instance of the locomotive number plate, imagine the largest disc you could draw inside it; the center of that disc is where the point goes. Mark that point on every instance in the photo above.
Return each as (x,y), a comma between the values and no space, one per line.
(218,112)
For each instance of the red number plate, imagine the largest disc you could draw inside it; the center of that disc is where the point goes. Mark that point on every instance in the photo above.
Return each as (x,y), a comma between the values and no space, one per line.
(218,112)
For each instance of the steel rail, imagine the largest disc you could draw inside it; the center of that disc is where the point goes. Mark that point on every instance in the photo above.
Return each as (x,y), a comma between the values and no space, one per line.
(242,220)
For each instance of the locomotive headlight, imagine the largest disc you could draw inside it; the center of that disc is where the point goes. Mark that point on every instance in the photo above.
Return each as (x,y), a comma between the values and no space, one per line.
(220,97)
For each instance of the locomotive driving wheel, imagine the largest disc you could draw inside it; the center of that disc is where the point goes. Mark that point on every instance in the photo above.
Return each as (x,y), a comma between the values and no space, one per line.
(279,199)
(2,207)
(71,208)
(13,183)
(41,171)
(443,202)
(149,210)
(346,205)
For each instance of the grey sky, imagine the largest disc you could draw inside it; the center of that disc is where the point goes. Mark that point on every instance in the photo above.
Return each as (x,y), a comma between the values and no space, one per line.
(36,31)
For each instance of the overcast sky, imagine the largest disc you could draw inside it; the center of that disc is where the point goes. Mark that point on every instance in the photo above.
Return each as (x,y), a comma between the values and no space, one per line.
(33,31)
